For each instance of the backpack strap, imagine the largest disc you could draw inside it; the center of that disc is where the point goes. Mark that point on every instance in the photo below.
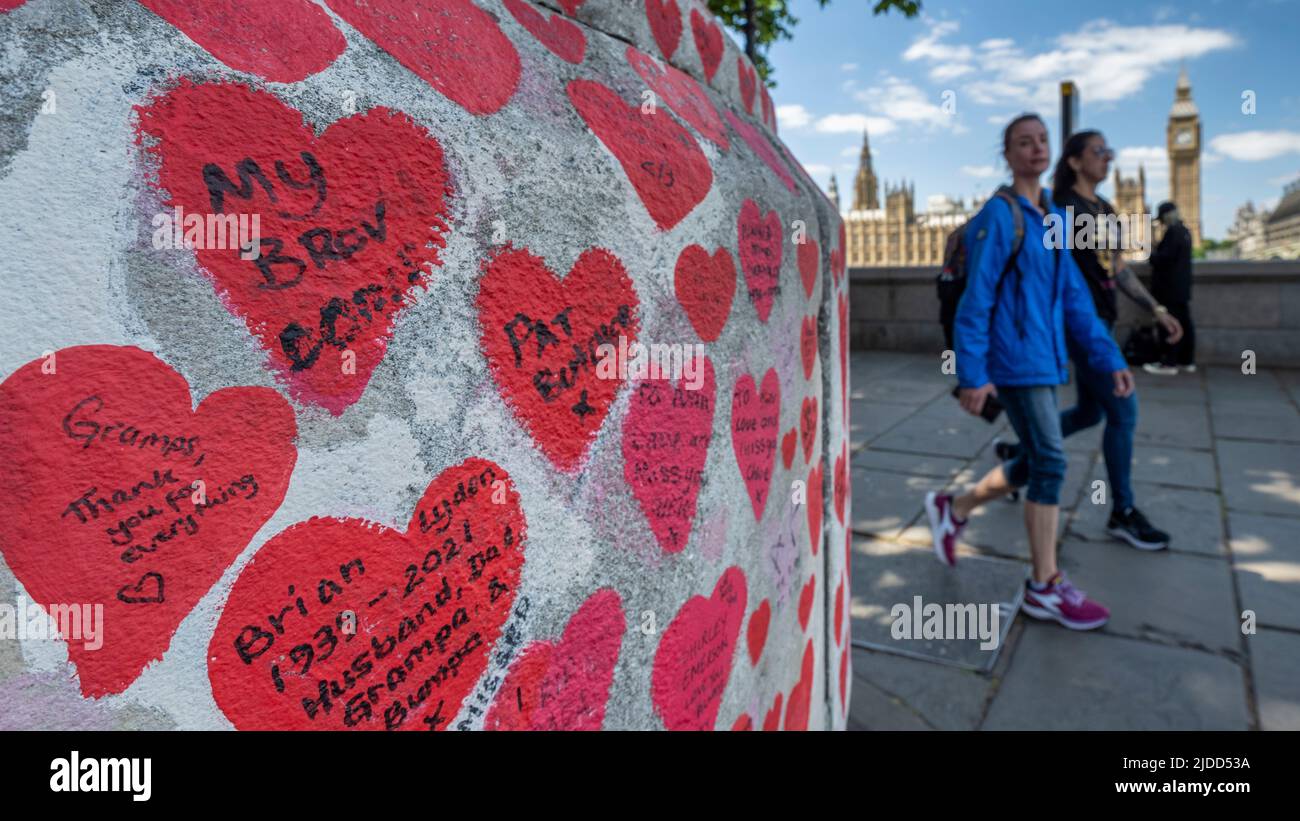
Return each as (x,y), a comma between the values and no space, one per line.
(1018,229)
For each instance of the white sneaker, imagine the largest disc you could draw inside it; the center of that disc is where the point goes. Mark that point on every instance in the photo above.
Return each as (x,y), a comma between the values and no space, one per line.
(1160,370)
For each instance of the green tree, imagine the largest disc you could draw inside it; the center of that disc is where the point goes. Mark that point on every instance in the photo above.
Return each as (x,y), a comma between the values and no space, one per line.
(763,22)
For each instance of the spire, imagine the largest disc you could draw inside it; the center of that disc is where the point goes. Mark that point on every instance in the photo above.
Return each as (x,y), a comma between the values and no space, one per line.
(865,185)
(1183,105)
(834,192)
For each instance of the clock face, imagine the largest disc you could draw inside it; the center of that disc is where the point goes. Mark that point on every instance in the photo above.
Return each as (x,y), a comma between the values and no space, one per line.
(1183,137)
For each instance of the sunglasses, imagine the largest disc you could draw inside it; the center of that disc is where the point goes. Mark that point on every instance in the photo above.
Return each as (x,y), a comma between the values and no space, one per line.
(1104,152)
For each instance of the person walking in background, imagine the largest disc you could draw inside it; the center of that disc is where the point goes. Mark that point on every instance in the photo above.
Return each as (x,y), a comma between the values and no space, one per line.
(1084,164)
(1022,295)
(1171,282)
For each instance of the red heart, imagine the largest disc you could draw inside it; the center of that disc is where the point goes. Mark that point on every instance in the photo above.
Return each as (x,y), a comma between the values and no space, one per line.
(761,247)
(103,457)
(755,418)
(666,436)
(769,117)
(670,173)
(10,5)
(815,479)
(808,344)
(841,482)
(426,606)
(844,678)
(708,41)
(760,146)
(543,340)
(809,258)
(839,609)
(693,662)
(772,721)
(453,45)
(788,444)
(563,38)
(682,94)
(705,287)
(809,423)
(571,6)
(806,596)
(743,724)
(837,264)
(564,685)
(748,83)
(348,221)
(665,23)
(282,41)
(798,707)
(757,631)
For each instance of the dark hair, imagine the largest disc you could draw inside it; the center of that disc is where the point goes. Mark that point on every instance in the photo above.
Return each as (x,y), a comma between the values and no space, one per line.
(1006,132)
(1064,176)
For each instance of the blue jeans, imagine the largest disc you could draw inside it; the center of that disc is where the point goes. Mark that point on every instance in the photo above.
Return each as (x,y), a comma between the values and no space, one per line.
(1040,460)
(1096,398)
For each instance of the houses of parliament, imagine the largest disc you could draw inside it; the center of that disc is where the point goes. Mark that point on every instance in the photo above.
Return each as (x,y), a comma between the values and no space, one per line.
(898,235)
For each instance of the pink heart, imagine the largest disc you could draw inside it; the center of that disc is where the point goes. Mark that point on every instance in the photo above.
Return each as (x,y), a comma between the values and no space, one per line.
(693,662)
(761,247)
(564,39)
(564,685)
(665,23)
(755,419)
(665,443)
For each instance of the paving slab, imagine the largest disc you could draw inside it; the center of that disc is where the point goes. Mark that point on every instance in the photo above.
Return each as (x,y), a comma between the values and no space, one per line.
(888,575)
(1260,477)
(1266,560)
(1275,659)
(939,466)
(1172,424)
(867,420)
(1271,421)
(885,502)
(871,709)
(952,433)
(1161,596)
(1174,466)
(1192,518)
(949,698)
(1066,680)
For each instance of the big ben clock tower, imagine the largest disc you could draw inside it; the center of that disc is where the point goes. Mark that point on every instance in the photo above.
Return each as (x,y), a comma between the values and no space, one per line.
(1183,138)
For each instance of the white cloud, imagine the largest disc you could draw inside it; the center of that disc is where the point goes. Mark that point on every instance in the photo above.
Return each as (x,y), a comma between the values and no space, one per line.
(792,116)
(928,47)
(851,151)
(854,124)
(979,172)
(900,101)
(1252,146)
(949,71)
(1153,158)
(1284,180)
(817,169)
(848,67)
(1110,62)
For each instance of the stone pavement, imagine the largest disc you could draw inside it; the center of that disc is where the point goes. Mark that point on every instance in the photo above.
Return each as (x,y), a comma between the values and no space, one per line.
(1217,464)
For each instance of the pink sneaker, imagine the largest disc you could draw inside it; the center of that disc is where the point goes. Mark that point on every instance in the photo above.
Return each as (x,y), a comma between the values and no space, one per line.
(944,527)
(1063,602)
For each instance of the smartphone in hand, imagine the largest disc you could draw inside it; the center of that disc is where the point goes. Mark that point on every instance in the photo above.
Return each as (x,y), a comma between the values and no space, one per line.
(992,407)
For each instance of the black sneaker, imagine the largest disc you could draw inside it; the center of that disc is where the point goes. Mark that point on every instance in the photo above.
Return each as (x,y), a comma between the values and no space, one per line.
(1133,527)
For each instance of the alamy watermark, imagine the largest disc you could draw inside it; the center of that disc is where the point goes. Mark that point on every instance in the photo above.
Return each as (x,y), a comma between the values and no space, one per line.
(1098,232)
(26,620)
(634,361)
(208,232)
(947,622)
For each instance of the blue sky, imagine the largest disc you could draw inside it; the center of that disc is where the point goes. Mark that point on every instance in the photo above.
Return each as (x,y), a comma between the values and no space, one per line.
(846,69)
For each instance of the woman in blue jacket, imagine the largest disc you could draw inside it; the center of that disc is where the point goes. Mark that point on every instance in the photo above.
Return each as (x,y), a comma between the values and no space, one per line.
(1010,340)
